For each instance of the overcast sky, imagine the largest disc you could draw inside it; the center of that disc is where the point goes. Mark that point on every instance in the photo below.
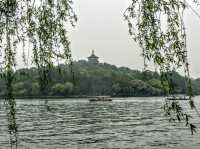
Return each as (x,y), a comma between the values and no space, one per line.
(101,27)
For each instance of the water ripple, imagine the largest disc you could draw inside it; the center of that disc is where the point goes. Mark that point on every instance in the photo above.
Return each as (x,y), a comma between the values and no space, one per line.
(78,124)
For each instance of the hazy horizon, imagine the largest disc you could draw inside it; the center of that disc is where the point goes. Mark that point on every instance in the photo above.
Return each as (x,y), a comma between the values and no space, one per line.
(101,27)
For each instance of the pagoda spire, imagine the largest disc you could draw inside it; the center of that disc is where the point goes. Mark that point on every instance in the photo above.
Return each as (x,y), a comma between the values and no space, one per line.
(93,59)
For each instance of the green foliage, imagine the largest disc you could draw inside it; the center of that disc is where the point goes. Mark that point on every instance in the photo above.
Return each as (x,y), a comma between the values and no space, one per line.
(40,27)
(34,89)
(116,89)
(58,89)
(68,88)
(101,79)
(158,27)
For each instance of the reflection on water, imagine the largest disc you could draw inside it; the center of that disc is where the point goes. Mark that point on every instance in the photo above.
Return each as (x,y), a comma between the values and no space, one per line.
(78,124)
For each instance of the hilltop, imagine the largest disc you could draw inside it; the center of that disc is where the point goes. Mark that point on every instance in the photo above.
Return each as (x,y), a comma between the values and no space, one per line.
(87,79)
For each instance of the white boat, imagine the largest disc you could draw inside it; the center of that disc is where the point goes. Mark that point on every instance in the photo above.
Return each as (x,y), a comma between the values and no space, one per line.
(178,98)
(100,99)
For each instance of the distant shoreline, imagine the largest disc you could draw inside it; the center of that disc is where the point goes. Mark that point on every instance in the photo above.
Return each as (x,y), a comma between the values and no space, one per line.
(72,97)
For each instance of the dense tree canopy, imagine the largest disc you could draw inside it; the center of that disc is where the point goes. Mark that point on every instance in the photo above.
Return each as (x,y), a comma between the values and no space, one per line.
(94,80)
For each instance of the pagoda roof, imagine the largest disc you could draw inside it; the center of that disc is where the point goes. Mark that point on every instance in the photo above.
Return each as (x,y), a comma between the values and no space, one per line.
(93,55)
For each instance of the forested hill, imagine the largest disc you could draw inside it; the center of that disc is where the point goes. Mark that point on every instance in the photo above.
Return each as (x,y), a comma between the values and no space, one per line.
(85,79)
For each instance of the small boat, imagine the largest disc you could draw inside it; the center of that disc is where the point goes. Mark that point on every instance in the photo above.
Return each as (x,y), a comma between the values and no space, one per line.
(178,98)
(100,99)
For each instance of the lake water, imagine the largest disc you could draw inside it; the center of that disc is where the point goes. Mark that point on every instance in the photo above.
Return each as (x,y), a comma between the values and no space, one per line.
(130,123)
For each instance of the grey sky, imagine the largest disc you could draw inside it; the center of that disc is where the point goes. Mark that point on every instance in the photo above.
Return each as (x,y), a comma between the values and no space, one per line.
(101,27)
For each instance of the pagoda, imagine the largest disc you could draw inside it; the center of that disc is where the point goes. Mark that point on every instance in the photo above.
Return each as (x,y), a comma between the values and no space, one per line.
(93,59)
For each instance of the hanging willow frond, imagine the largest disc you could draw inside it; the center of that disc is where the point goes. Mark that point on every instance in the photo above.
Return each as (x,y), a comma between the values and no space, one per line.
(158,27)
(40,26)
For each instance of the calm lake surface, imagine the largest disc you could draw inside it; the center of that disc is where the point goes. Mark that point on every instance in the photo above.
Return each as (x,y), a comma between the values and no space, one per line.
(129,123)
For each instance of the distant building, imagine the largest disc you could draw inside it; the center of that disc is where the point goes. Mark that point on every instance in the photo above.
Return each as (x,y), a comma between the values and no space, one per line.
(93,59)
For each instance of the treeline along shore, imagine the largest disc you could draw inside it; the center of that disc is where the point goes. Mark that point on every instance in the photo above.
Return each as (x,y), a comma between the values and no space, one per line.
(84,79)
